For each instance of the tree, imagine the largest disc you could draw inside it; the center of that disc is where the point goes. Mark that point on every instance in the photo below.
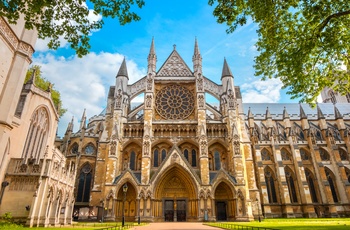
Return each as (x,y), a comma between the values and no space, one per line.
(44,84)
(67,18)
(303,43)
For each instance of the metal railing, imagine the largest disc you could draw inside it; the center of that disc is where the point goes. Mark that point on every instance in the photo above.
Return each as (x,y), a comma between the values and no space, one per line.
(237,226)
(126,226)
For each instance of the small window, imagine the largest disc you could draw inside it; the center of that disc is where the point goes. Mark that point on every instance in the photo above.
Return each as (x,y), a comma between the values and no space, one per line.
(324,155)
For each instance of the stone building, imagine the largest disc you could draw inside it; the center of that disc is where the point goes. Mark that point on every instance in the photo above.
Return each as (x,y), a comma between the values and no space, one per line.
(185,159)
(36,179)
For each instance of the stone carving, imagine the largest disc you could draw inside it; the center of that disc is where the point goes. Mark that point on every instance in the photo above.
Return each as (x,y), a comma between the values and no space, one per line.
(200,83)
(174,66)
(174,102)
(148,101)
(146,145)
(149,83)
(201,101)
(113,148)
(119,98)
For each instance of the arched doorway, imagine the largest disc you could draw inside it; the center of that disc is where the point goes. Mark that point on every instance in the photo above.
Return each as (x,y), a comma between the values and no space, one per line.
(175,197)
(224,202)
(130,208)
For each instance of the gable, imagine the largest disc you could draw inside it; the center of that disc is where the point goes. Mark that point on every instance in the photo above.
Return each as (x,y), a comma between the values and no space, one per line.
(174,66)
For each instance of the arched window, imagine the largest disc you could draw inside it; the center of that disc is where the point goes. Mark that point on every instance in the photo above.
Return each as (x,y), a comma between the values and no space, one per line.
(285,155)
(186,154)
(347,171)
(291,186)
(132,160)
(332,185)
(37,135)
(84,184)
(90,149)
(310,181)
(74,149)
(163,154)
(265,155)
(344,156)
(324,155)
(270,185)
(155,158)
(194,158)
(217,163)
(305,155)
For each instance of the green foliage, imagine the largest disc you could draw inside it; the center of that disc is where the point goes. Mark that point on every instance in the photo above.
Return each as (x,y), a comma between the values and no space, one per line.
(303,43)
(7,217)
(44,84)
(68,18)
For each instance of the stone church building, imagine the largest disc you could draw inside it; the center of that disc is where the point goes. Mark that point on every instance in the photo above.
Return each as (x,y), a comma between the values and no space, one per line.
(174,157)
(184,159)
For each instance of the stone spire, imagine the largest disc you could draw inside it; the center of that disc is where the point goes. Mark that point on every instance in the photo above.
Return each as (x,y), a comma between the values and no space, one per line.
(226,72)
(123,72)
(302,113)
(197,58)
(83,121)
(250,114)
(152,58)
(285,113)
(70,126)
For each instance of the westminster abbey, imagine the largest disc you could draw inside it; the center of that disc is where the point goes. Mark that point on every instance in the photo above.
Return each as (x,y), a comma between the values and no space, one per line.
(173,157)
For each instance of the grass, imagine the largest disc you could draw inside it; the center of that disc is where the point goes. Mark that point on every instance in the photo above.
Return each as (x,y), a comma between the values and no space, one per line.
(300,224)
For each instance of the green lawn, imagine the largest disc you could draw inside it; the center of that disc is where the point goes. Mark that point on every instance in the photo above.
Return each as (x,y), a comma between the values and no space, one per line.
(302,224)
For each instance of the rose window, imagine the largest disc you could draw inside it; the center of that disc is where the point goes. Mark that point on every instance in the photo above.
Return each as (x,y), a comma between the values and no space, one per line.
(174,102)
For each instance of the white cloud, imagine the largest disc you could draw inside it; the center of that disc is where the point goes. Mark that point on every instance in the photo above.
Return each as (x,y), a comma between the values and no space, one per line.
(84,82)
(262,91)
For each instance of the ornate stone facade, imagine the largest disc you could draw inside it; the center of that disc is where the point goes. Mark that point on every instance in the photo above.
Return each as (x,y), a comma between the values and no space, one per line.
(184,159)
(36,179)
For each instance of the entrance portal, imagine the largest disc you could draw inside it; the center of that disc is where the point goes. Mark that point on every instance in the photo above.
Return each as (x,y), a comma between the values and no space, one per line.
(221,210)
(175,210)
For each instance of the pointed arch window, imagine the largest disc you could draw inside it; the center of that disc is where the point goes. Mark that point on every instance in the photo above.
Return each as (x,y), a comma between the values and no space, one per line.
(132,160)
(186,154)
(155,158)
(194,158)
(344,156)
(324,155)
(347,171)
(217,163)
(163,154)
(332,185)
(305,155)
(37,135)
(270,185)
(266,155)
(84,184)
(74,149)
(291,185)
(285,155)
(310,181)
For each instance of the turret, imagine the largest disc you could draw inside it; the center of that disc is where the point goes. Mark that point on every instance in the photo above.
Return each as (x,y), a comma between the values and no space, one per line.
(303,118)
(227,77)
(122,78)
(152,59)
(286,118)
(339,119)
(197,59)
(83,121)
(321,119)
(268,118)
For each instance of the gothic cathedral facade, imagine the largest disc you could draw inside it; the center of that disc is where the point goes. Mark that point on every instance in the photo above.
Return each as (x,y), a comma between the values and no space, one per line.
(183,159)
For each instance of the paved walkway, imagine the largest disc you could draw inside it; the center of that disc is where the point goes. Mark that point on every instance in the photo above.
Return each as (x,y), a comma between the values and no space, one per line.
(174,226)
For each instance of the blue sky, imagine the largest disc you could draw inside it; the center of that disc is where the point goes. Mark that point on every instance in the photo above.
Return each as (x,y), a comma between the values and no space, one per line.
(84,82)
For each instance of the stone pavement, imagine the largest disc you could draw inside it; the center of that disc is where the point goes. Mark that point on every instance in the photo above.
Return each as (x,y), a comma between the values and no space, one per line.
(174,226)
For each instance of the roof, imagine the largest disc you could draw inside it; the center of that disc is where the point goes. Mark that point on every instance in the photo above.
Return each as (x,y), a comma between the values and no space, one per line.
(293,109)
